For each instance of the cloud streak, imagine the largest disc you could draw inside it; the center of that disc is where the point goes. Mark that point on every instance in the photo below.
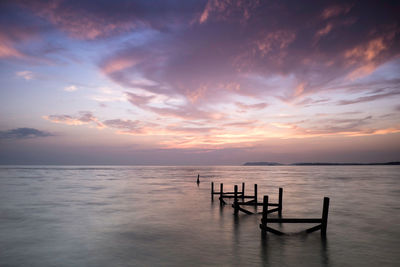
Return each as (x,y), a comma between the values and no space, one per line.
(24,133)
(83,117)
(369,98)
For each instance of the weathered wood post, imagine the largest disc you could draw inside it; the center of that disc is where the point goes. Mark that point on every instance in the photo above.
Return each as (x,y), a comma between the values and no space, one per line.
(325,211)
(221,190)
(242,191)
(198,178)
(212,190)
(280,202)
(235,202)
(264,216)
(255,195)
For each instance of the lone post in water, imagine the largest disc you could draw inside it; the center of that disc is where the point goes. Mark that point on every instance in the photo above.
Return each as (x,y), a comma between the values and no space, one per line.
(198,178)
(221,190)
(255,195)
(280,202)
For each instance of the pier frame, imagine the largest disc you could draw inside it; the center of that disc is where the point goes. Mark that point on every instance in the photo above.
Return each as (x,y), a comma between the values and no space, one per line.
(322,222)
(237,205)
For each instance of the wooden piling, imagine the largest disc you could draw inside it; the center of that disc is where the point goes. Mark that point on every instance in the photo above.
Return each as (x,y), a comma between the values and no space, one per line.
(242,190)
(221,190)
(255,195)
(325,211)
(280,202)
(198,178)
(212,190)
(235,202)
(264,218)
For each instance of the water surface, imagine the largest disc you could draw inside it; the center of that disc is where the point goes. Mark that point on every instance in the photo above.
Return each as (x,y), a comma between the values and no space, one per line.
(158,216)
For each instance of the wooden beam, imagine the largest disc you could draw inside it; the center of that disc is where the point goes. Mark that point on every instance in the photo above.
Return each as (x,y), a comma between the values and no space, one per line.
(243,210)
(272,230)
(273,210)
(229,196)
(222,201)
(325,210)
(313,229)
(250,202)
(294,220)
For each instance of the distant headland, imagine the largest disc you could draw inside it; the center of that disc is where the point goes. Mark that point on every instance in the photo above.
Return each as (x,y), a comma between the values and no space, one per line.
(318,164)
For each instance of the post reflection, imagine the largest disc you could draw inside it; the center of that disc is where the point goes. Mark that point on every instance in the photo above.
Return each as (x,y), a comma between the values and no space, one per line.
(291,249)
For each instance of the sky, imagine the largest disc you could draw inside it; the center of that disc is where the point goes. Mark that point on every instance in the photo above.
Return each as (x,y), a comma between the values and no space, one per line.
(199,82)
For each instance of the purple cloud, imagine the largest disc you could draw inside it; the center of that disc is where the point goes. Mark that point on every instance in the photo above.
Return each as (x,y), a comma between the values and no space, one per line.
(24,133)
(369,98)
(231,41)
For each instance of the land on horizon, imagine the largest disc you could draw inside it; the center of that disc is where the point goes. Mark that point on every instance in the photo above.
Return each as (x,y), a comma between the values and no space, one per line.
(261,163)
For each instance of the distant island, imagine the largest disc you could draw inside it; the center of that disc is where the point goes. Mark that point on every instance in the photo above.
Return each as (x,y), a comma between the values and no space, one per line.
(263,164)
(317,164)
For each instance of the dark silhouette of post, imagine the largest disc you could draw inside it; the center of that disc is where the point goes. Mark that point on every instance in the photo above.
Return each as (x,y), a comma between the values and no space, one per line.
(235,202)
(221,190)
(325,210)
(264,218)
(198,178)
(242,191)
(280,202)
(255,195)
(212,190)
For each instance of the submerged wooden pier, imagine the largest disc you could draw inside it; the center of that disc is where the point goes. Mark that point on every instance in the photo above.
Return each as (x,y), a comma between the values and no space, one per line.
(228,194)
(237,206)
(236,195)
(322,222)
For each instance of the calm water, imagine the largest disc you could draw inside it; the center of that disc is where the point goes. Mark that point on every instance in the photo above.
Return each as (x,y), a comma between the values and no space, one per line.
(158,216)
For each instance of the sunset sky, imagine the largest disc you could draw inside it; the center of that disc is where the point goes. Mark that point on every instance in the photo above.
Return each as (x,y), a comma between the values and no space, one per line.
(199,82)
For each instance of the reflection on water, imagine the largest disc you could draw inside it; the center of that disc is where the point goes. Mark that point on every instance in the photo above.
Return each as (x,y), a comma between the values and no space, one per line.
(158,216)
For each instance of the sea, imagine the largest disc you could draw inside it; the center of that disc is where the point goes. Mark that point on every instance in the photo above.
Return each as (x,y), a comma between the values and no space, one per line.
(160,216)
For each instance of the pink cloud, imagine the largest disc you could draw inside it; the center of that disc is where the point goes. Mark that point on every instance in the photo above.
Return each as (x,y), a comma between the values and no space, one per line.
(84,117)
(7,50)
(186,111)
(335,10)
(257,106)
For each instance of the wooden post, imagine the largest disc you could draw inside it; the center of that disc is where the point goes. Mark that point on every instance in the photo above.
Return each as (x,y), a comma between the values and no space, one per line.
(221,190)
(280,202)
(264,216)
(255,195)
(242,191)
(212,190)
(325,211)
(198,178)
(235,202)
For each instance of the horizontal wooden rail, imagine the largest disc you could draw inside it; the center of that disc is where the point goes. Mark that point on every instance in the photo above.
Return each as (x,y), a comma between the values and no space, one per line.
(227,193)
(293,220)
